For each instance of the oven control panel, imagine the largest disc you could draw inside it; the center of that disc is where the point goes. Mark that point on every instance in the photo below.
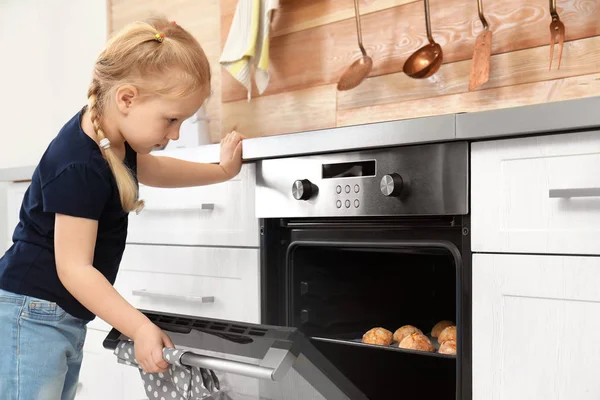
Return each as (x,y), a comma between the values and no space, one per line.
(429,179)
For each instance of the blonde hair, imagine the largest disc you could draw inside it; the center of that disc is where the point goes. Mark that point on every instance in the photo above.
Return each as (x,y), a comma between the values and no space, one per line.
(172,63)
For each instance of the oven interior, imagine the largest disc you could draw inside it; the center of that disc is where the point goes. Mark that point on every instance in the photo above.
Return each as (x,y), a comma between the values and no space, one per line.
(338,291)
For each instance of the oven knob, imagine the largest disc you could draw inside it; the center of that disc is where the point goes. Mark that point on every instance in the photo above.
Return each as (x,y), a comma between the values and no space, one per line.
(391,185)
(303,189)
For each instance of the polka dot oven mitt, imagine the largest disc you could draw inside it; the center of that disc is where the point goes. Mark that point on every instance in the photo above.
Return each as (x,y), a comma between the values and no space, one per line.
(180,382)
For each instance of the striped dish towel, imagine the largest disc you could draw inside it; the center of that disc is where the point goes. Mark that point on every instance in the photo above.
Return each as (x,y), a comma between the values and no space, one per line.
(248,43)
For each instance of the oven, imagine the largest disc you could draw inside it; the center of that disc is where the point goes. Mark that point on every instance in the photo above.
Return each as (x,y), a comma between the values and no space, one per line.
(350,241)
(375,238)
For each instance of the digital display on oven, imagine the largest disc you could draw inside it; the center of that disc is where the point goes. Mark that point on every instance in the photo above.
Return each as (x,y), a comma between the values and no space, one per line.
(349,169)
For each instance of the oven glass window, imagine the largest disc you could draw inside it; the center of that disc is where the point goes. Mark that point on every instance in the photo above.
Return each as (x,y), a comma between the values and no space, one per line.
(338,293)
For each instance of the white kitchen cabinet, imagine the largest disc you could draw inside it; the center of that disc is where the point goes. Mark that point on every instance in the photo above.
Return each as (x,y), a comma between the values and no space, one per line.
(102,377)
(133,385)
(213,282)
(170,279)
(176,279)
(212,215)
(14,197)
(535,322)
(537,194)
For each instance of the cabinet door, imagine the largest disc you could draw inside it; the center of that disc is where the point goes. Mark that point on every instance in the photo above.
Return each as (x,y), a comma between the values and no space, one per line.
(100,375)
(133,385)
(535,320)
(537,195)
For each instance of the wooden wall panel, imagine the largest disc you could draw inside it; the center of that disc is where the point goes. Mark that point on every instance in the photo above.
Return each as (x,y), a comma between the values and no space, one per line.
(508,96)
(109,17)
(580,57)
(297,15)
(319,56)
(313,41)
(298,111)
(313,50)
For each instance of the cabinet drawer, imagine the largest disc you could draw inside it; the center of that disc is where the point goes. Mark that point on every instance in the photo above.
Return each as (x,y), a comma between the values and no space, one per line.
(209,282)
(537,195)
(221,214)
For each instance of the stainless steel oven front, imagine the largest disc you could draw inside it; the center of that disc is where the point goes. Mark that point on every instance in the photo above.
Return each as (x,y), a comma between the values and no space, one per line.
(372,239)
(350,242)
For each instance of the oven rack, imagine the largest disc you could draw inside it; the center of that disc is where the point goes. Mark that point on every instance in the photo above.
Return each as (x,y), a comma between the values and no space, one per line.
(353,339)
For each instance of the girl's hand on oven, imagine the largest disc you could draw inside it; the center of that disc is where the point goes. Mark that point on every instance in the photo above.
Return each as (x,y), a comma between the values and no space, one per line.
(149,341)
(231,154)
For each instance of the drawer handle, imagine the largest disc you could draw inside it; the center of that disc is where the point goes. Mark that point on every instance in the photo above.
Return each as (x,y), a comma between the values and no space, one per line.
(155,295)
(577,192)
(183,207)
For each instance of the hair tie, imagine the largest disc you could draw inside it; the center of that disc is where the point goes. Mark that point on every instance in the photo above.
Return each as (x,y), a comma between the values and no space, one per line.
(159,37)
(174,23)
(105,144)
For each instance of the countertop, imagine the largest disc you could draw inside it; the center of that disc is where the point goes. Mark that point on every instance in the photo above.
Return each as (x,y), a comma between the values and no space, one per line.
(16,174)
(541,119)
(548,118)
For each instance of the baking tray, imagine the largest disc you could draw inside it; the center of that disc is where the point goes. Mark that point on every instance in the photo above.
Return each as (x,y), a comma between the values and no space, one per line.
(351,339)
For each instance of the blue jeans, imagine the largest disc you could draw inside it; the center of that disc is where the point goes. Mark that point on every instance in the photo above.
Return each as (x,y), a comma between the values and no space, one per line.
(41,349)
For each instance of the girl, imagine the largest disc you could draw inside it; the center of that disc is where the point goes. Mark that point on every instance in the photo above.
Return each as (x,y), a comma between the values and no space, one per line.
(68,244)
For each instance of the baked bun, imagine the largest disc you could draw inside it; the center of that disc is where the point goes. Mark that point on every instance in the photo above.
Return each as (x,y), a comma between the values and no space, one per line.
(439,327)
(417,341)
(448,347)
(448,333)
(378,336)
(404,331)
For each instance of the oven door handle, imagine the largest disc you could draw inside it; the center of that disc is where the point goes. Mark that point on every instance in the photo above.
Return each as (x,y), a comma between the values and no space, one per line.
(281,360)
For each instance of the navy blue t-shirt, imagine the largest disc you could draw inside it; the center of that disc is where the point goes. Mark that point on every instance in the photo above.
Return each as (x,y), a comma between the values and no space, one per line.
(72,178)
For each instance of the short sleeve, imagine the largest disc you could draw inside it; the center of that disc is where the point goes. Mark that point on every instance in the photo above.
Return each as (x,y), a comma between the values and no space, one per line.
(79,191)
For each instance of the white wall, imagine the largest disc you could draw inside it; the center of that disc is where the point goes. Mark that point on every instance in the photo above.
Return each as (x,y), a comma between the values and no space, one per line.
(48,48)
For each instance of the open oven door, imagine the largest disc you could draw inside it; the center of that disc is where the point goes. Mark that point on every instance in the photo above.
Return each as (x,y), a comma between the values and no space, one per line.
(251,361)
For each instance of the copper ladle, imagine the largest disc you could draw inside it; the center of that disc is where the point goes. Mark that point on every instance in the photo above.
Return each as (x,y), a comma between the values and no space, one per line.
(360,68)
(427,60)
